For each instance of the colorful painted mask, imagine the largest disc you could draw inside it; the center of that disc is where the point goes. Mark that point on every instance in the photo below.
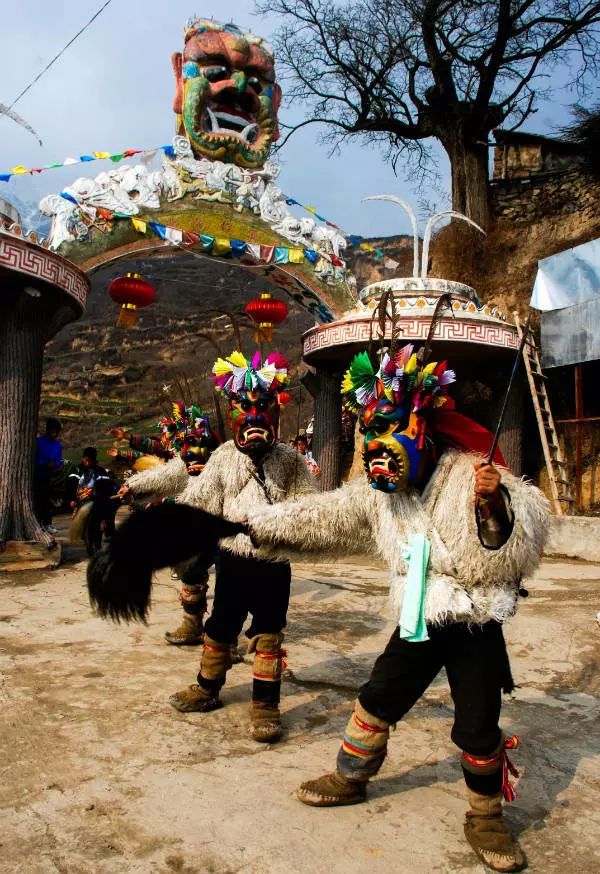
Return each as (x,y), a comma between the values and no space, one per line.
(254,420)
(393,406)
(254,392)
(188,433)
(227,99)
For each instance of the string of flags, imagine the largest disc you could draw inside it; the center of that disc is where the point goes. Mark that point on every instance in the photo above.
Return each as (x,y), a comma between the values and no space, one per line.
(222,245)
(147,157)
(352,238)
(238,248)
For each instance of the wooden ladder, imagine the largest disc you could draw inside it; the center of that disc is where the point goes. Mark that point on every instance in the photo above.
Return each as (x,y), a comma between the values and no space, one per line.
(555,462)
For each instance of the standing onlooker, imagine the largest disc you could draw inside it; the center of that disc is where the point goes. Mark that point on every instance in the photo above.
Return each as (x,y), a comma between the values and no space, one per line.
(48,460)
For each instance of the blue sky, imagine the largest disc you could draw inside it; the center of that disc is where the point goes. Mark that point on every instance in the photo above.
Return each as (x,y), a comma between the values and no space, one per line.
(113,90)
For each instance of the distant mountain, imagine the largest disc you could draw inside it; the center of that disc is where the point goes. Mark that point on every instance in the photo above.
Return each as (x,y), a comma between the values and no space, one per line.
(31,218)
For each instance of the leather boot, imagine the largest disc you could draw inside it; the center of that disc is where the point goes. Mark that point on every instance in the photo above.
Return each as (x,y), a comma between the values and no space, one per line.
(265,716)
(203,696)
(195,699)
(265,726)
(332,790)
(189,633)
(486,831)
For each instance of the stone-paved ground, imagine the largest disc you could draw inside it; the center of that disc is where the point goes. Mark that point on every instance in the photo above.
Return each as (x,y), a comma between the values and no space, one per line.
(98,775)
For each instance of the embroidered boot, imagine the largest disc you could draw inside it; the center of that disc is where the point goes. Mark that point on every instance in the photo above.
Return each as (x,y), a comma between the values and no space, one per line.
(332,790)
(487,779)
(203,696)
(189,633)
(486,831)
(191,630)
(360,757)
(265,717)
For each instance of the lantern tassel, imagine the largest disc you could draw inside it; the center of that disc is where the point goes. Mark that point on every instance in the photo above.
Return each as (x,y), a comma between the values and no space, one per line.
(128,316)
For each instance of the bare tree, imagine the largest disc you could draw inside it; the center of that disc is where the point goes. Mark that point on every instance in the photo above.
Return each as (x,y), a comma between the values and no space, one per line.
(398,72)
(585,134)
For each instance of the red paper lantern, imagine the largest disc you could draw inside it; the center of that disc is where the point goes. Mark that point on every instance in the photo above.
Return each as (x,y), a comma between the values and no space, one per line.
(133,293)
(266,312)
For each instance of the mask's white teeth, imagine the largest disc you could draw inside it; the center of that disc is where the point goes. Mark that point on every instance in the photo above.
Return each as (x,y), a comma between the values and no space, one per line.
(250,133)
(214,124)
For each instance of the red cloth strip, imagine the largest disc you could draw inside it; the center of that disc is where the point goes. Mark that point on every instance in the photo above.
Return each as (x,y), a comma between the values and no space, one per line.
(459,432)
(367,727)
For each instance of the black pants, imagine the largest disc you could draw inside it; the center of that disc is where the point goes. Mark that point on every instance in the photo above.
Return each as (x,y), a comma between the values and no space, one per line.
(477,667)
(248,585)
(42,494)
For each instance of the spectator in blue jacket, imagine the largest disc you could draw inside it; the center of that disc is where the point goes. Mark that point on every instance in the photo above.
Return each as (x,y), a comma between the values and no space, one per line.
(48,461)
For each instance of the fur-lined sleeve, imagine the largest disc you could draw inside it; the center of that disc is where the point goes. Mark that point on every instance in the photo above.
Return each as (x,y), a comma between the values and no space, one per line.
(205,491)
(449,499)
(162,481)
(329,523)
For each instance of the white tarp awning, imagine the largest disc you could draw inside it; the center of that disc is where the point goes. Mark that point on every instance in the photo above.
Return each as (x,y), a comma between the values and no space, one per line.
(568,278)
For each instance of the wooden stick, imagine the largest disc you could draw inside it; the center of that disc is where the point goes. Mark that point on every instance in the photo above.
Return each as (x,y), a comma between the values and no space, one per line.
(511,381)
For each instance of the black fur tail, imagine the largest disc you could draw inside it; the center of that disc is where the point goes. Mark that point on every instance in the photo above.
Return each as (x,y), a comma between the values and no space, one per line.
(119,577)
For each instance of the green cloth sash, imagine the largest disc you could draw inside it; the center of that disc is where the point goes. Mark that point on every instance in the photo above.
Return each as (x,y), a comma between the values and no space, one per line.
(412,621)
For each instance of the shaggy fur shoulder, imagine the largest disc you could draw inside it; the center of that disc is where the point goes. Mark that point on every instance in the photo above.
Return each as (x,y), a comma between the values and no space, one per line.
(162,481)
(465,581)
(230,486)
(448,500)
(330,523)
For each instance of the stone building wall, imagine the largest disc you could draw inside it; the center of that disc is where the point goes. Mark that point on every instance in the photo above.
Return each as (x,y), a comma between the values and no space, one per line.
(546,197)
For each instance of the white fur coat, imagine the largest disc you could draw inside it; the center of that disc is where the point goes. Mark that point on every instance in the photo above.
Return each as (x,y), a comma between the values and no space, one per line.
(229,486)
(466,582)
(161,481)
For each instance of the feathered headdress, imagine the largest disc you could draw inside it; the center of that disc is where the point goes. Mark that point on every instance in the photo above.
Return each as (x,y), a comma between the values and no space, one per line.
(400,378)
(236,373)
(187,424)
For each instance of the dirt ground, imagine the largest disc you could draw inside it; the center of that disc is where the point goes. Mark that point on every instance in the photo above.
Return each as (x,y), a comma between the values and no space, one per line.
(99,775)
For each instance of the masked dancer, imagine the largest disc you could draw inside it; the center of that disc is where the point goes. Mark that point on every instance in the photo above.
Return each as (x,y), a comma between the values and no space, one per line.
(458,534)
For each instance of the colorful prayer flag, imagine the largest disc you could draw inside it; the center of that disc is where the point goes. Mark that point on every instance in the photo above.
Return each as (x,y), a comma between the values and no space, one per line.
(173,235)
(139,225)
(159,230)
(296,256)
(238,247)
(266,253)
(221,246)
(253,249)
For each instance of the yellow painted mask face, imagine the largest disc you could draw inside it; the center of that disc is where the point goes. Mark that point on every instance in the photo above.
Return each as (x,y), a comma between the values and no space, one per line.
(393,460)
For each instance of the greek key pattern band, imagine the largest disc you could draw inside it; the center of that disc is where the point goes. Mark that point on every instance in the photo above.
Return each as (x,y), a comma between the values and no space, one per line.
(452,330)
(37,263)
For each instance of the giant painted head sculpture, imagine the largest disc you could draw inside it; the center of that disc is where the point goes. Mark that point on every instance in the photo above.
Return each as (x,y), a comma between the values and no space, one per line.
(227,99)
(254,392)
(393,405)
